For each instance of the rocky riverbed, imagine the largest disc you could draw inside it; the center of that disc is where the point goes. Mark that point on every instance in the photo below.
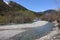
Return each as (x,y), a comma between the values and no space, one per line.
(25,31)
(41,30)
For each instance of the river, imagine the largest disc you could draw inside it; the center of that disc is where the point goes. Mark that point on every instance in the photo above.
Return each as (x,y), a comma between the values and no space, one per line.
(33,32)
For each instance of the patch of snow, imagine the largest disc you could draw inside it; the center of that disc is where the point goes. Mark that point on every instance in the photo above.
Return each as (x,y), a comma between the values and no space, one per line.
(5,2)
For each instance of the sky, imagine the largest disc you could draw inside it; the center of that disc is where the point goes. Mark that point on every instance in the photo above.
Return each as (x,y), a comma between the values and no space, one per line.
(38,5)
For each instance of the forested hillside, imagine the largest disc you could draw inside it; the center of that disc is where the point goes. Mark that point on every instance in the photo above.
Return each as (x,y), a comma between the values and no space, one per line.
(14,13)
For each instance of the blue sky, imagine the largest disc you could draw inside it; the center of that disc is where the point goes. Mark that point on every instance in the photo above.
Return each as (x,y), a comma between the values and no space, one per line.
(38,5)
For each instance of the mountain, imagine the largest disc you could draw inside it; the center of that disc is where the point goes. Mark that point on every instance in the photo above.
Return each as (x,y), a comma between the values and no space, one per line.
(14,13)
(11,6)
(51,15)
(47,11)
